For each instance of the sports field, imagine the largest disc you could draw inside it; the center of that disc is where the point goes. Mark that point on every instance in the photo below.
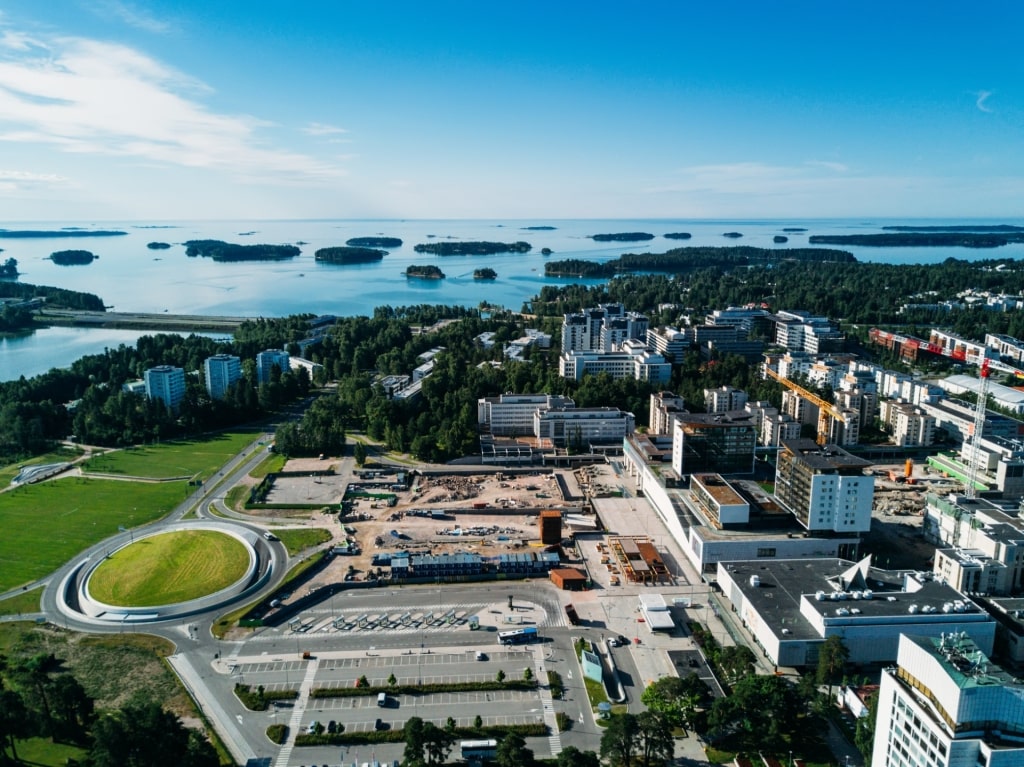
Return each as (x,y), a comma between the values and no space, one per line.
(172,459)
(45,525)
(169,568)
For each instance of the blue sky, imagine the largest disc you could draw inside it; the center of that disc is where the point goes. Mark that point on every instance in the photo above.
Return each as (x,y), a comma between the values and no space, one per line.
(171,109)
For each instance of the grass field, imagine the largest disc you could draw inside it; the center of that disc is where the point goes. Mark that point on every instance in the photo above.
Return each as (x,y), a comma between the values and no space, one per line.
(169,568)
(23,602)
(300,539)
(173,459)
(45,525)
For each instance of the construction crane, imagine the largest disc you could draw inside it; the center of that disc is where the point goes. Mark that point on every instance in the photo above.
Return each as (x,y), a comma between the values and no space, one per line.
(826,410)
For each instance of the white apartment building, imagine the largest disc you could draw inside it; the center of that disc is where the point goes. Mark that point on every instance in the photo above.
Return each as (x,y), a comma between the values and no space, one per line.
(724,399)
(269,359)
(945,704)
(825,487)
(910,426)
(221,372)
(512,415)
(669,342)
(802,331)
(602,329)
(1006,347)
(665,406)
(167,384)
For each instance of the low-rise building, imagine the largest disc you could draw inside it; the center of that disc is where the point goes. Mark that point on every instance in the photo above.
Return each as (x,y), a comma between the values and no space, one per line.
(634,361)
(513,414)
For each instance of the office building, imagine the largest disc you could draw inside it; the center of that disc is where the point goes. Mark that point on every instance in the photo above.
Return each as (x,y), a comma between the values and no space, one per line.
(945,704)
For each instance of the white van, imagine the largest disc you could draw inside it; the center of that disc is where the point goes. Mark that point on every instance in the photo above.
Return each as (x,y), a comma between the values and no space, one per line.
(382,699)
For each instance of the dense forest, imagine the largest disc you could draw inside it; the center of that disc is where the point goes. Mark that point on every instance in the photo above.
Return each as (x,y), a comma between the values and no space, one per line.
(23,234)
(40,697)
(474,248)
(72,257)
(349,255)
(485,274)
(67,299)
(920,239)
(374,242)
(219,250)
(684,259)
(424,272)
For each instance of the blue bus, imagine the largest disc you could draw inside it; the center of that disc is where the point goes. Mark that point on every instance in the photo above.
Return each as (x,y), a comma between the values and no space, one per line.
(518,636)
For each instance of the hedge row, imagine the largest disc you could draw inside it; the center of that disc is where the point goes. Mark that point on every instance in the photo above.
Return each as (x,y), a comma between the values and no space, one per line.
(424,689)
(537,730)
(255,701)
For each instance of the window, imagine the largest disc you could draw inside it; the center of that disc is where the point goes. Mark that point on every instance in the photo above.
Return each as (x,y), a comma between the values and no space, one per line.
(766,552)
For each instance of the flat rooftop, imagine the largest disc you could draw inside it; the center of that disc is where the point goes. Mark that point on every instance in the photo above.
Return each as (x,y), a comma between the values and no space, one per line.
(719,489)
(824,457)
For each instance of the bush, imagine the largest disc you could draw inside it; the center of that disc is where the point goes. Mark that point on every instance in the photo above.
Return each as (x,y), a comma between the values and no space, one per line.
(563,720)
(422,689)
(259,699)
(277,733)
(556,685)
(497,732)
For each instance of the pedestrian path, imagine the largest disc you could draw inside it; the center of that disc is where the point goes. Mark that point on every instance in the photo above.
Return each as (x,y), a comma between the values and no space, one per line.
(300,708)
(555,738)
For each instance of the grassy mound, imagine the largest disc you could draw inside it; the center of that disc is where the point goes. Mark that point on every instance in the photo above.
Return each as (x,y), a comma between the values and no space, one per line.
(168,568)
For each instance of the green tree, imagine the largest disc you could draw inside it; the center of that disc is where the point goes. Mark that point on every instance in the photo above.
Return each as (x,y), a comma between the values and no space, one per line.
(864,736)
(437,743)
(512,752)
(413,734)
(573,757)
(527,673)
(832,658)
(500,676)
(144,735)
(392,680)
(656,744)
(620,740)
(359,452)
(737,661)
(764,708)
(15,722)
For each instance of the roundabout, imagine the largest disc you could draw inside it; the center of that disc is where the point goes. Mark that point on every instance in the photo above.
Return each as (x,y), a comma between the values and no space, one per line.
(177,571)
(168,568)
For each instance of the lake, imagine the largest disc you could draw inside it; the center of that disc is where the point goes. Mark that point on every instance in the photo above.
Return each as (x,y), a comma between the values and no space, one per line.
(131,277)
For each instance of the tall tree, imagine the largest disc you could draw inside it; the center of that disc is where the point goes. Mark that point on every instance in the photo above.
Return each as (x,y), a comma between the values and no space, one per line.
(512,752)
(831,660)
(573,757)
(656,744)
(620,740)
(15,722)
(737,661)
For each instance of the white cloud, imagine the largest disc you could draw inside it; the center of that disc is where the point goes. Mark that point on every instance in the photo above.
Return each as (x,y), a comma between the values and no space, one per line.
(982,98)
(131,15)
(838,167)
(88,96)
(320,129)
(28,176)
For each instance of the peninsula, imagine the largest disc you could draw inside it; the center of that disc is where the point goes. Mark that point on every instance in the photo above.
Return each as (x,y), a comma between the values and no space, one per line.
(928,239)
(47,233)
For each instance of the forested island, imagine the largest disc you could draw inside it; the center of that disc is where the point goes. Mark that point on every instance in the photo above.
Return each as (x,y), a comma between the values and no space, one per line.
(686,259)
(219,250)
(9,269)
(622,237)
(732,235)
(780,238)
(546,251)
(794,229)
(349,255)
(374,242)
(424,272)
(485,274)
(47,233)
(920,239)
(677,236)
(987,228)
(158,245)
(472,248)
(539,228)
(72,257)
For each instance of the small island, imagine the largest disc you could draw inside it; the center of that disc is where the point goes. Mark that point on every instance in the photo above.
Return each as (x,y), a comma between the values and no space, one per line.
(677,236)
(793,229)
(158,245)
(44,233)
(622,237)
(474,248)
(349,255)
(72,257)
(219,250)
(539,228)
(732,235)
(485,274)
(780,238)
(374,242)
(9,269)
(546,251)
(424,272)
